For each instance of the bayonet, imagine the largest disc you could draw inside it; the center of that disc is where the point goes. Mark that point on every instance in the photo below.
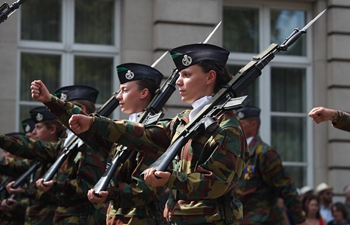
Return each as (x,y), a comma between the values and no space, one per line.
(160,58)
(297,33)
(226,97)
(211,34)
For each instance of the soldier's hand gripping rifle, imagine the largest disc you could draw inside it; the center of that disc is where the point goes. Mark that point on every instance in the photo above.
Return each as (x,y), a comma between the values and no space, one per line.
(225,98)
(151,115)
(22,179)
(74,142)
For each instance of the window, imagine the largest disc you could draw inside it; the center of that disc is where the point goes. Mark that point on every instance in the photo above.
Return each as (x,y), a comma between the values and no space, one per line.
(68,42)
(283,90)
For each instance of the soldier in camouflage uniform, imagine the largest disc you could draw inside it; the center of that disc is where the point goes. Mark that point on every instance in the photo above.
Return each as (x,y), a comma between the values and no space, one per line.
(131,200)
(264,180)
(78,173)
(339,119)
(209,165)
(13,214)
(42,206)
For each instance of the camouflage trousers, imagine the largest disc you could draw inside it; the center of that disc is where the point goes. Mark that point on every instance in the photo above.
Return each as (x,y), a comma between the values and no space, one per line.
(78,220)
(122,220)
(87,216)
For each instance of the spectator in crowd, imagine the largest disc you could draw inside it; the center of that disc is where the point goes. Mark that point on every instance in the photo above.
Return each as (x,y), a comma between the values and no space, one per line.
(340,214)
(325,194)
(312,210)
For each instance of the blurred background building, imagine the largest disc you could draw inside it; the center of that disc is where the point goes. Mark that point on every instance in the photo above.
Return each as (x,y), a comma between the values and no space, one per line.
(65,42)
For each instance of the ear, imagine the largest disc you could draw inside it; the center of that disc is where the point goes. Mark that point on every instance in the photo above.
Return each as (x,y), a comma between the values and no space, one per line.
(211,77)
(53,129)
(144,93)
(83,108)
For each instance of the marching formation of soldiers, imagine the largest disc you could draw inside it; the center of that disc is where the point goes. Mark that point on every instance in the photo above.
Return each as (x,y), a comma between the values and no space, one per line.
(207,165)
(198,185)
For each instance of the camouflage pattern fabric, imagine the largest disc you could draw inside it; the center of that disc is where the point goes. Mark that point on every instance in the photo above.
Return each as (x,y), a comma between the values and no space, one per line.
(132,200)
(75,177)
(262,182)
(343,122)
(17,216)
(208,168)
(41,205)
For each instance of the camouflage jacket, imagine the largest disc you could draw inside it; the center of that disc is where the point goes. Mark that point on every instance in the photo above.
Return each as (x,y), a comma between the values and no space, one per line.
(262,182)
(130,196)
(78,173)
(41,205)
(208,168)
(343,122)
(17,216)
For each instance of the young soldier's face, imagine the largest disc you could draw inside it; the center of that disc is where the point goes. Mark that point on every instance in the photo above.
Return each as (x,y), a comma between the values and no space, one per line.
(194,83)
(42,133)
(131,99)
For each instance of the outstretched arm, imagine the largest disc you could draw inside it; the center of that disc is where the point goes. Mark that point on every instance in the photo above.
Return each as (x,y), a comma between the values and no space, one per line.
(322,114)
(339,119)
(40,92)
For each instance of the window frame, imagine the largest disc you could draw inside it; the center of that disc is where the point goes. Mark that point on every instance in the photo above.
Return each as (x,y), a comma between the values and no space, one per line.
(280,61)
(67,49)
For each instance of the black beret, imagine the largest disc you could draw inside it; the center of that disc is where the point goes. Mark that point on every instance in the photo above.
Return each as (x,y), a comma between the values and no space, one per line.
(248,111)
(188,55)
(28,125)
(77,92)
(40,114)
(135,71)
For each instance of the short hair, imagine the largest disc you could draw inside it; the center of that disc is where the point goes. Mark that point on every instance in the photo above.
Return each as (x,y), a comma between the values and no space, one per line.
(341,207)
(89,105)
(222,74)
(60,129)
(151,85)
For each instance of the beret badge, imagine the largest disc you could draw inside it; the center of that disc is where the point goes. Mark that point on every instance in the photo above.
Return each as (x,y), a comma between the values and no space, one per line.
(39,117)
(27,128)
(129,75)
(63,97)
(186,60)
(240,115)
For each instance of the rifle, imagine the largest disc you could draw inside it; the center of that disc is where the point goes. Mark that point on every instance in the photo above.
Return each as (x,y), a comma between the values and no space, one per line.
(151,115)
(23,178)
(74,142)
(225,99)
(6,10)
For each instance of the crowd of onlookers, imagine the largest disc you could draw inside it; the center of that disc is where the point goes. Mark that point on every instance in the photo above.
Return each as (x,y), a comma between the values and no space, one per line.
(319,207)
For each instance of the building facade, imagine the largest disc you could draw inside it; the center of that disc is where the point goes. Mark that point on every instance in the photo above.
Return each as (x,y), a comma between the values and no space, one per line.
(67,42)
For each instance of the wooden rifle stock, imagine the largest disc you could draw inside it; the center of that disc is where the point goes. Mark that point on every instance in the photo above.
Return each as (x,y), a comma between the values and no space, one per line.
(74,142)
(150,115)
